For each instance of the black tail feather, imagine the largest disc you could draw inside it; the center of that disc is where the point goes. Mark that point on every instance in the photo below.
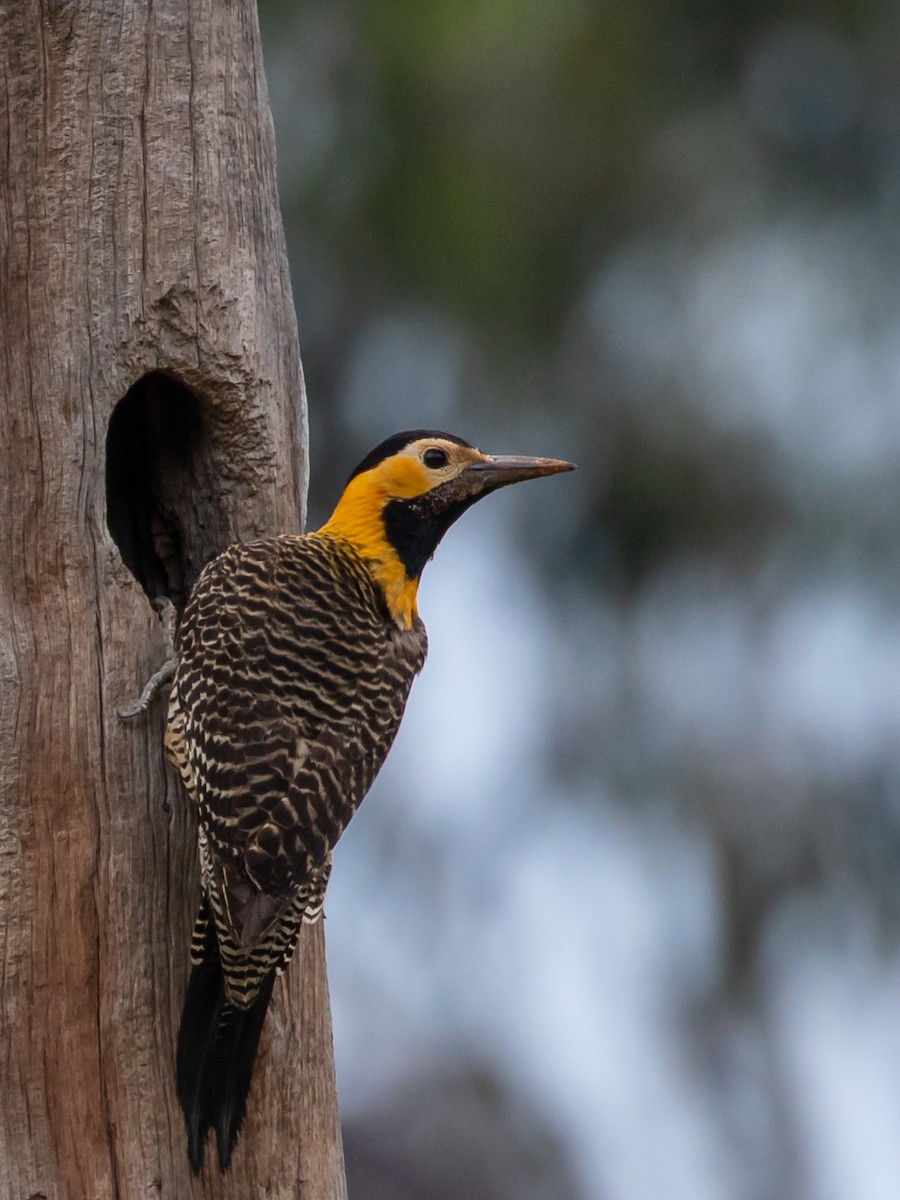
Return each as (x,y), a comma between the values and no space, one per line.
(203,1003)
(217,1047)
(231,1069)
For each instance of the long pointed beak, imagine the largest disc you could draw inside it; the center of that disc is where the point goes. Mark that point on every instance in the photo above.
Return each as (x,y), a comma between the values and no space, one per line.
(501,469)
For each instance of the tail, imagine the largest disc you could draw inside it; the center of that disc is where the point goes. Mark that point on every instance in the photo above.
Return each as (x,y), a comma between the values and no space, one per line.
(217,1046)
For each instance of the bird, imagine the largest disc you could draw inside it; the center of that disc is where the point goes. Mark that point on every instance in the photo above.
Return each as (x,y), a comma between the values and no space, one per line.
(295,658)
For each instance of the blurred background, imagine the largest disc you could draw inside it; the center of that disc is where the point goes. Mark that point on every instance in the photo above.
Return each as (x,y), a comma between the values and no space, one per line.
(621,917)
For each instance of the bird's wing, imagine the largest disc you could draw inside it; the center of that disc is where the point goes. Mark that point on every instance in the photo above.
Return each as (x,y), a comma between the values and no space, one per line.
(288,698)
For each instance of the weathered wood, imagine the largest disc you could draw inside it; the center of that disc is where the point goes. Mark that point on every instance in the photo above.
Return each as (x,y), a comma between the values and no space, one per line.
(139,233)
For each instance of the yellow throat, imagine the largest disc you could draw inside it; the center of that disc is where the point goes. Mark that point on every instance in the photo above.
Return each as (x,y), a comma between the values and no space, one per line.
(358,520)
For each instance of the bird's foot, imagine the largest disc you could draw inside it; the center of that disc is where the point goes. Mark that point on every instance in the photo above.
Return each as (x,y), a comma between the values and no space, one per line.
(169,618)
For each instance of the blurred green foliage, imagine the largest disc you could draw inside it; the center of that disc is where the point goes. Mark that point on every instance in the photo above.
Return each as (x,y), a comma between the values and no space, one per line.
(501,145)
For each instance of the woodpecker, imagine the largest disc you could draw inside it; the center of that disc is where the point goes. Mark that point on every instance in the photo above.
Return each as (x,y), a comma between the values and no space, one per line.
(295,660)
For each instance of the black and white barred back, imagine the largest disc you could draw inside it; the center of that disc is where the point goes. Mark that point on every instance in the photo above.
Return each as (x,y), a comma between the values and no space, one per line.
(291,683)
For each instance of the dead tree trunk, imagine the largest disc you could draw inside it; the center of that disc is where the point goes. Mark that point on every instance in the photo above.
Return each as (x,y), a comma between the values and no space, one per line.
(152,412)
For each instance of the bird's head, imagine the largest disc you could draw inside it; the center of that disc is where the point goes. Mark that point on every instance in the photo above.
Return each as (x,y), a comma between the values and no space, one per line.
(405,495)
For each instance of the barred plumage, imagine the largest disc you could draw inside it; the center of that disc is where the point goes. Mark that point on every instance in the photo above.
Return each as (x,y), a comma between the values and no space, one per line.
(290,688)
(296,657)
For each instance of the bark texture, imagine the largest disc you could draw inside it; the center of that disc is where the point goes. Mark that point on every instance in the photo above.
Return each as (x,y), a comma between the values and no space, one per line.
(143,266)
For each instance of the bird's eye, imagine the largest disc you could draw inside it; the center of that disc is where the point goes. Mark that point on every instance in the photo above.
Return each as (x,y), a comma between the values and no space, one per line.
(435,458)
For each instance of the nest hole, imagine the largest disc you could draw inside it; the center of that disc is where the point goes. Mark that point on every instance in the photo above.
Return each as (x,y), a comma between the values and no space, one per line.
(156,453)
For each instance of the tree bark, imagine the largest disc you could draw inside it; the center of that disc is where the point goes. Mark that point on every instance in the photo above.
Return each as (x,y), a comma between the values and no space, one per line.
(153,412)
